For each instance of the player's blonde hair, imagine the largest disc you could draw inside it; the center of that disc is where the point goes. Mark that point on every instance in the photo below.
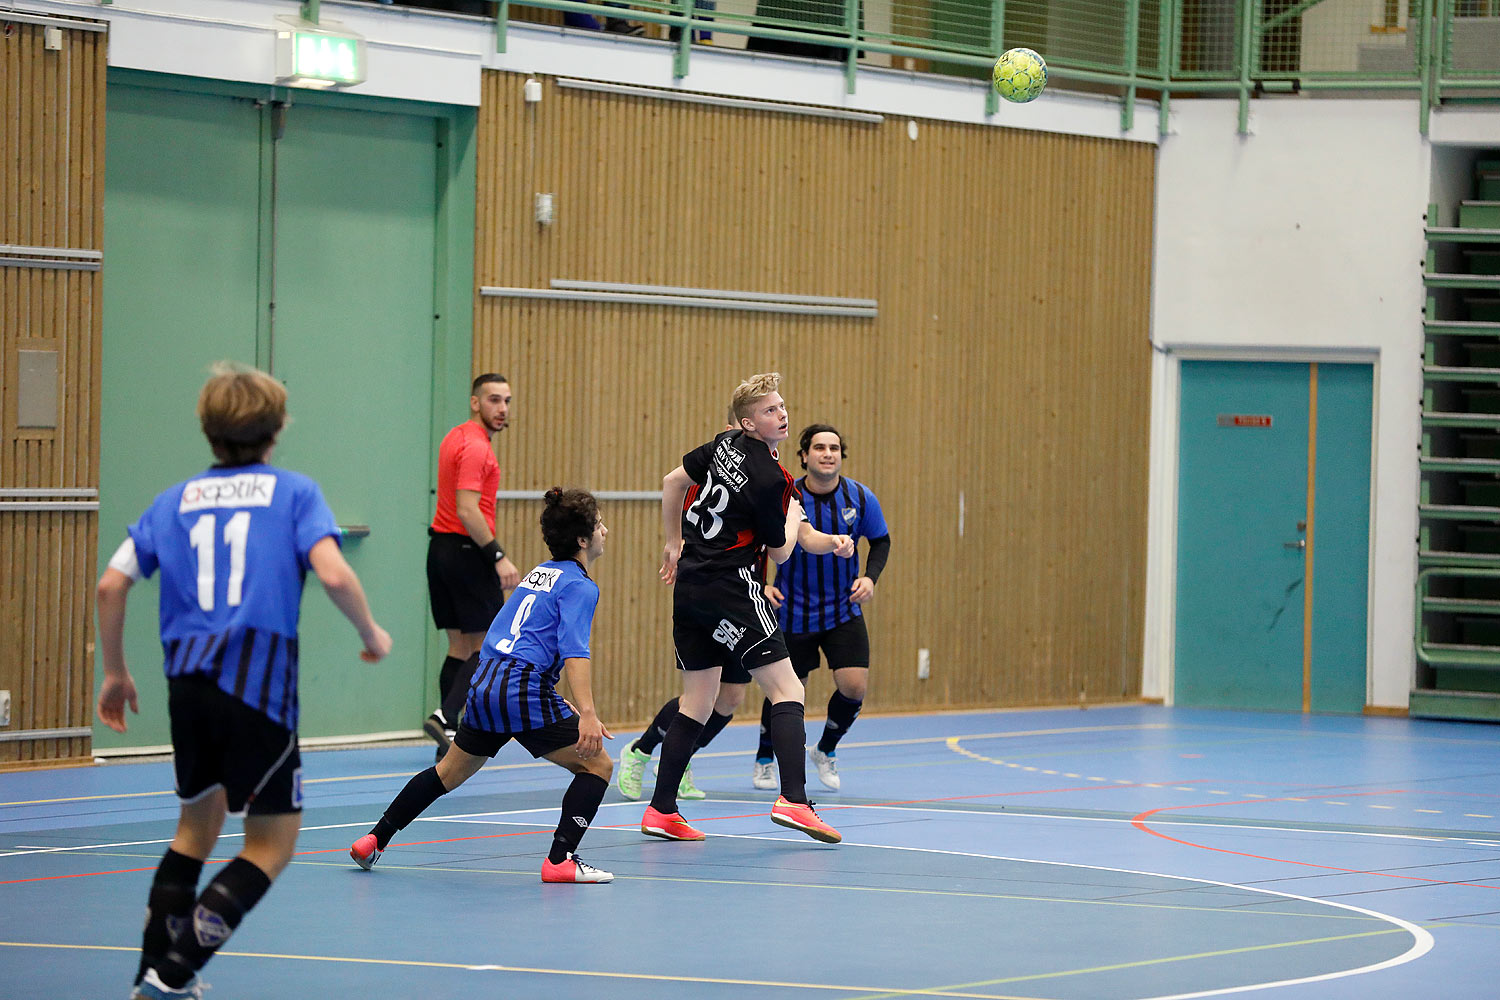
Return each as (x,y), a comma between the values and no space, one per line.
(241,410)
(753,389)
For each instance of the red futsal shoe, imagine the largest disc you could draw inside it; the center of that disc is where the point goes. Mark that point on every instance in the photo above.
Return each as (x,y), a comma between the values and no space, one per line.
(668,826)
(573,869)
(802,816)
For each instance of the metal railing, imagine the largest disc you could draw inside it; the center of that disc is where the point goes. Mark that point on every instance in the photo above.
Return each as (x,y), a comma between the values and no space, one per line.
(1438,50)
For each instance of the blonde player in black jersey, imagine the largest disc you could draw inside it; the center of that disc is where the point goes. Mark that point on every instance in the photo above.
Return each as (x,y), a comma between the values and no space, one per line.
(728,498)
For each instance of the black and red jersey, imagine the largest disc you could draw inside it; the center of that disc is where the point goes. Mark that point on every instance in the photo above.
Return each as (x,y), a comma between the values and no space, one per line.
(736,507)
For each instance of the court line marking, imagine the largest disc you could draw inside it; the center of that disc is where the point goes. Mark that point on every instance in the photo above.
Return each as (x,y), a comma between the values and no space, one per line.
(467,967)
(493,767)
(1141,822)
(1422,941)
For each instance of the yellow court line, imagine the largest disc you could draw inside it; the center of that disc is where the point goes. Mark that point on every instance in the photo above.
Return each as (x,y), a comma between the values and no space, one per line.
(946,893)
(1152,961)
(468,967)
(543,764)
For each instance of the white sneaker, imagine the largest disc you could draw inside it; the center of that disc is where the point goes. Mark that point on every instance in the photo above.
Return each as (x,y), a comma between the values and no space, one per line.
(152,988)
(828,767)
(764,775)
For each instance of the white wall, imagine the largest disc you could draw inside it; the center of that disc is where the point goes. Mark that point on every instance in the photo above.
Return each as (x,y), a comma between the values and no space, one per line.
(1302,240)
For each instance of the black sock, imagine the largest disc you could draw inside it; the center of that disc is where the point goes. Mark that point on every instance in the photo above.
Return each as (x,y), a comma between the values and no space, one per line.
(648,741)
(453,701)
(713,727)
(169,907)
(451,666)
(789,739)
(580,803)
(676,750)
(841,715)
(224,903)
(421,791)
(764,751)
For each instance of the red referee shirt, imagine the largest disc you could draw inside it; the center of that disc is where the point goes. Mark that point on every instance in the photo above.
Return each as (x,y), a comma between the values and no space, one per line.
(466,461)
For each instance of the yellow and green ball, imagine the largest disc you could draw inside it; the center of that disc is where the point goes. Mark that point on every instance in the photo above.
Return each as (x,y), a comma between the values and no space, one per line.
(1019,75)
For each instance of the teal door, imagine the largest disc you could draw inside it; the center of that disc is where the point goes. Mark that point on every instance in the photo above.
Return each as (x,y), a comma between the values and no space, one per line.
(304,245)
(1272,590)
(353,342)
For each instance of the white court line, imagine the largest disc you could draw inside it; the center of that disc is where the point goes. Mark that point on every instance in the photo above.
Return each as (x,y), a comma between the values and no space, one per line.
(475,818)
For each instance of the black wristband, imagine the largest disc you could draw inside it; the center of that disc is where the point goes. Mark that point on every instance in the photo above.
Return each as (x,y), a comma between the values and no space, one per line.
(492,549)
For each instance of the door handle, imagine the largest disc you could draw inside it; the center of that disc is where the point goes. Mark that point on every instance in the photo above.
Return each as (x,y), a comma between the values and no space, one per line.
(1300,543)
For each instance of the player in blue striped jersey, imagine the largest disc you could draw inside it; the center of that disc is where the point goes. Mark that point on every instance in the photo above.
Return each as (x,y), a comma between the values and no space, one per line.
(541,634)
(233,545)
(819,599)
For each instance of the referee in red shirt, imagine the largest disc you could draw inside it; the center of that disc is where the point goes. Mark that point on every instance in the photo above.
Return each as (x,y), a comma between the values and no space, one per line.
(467,571)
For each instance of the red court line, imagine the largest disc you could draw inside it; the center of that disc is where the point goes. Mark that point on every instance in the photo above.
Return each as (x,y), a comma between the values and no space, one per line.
(626,826)
(1140,823)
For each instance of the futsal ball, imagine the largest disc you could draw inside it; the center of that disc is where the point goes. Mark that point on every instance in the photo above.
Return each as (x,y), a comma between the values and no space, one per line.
(1019,75)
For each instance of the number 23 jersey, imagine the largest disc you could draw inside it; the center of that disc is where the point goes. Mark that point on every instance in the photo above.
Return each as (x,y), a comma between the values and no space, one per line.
(736,505)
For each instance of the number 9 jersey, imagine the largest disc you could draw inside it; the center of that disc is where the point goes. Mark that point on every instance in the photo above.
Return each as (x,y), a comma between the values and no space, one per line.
(547,619)
(736,506)
(232,546)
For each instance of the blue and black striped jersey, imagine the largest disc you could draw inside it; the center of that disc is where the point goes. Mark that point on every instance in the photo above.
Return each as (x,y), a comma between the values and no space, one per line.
(232,546)
(816,588)
(547,619)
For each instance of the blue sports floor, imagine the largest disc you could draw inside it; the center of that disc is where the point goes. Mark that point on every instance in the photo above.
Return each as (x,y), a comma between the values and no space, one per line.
(1118,852)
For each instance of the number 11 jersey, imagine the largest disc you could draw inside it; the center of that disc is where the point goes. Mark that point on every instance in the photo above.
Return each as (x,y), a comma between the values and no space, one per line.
(232,546)
(736,505)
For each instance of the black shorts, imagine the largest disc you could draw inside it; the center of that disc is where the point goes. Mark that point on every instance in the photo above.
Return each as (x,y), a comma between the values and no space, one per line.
(538,742)
(725,621)
(461,583)
(220,742)
(847,644)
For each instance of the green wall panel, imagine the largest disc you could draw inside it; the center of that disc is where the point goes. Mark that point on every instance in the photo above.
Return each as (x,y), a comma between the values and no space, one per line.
(357,221)
(181,290)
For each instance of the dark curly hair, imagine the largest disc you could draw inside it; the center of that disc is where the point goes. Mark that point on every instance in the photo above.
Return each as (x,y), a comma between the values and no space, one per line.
(567,515)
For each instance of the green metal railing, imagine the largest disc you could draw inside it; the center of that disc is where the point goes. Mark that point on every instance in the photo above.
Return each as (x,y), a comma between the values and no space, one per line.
(1439,50)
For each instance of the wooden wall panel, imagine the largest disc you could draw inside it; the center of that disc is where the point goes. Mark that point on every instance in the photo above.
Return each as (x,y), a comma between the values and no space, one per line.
(998,405)
(51,196)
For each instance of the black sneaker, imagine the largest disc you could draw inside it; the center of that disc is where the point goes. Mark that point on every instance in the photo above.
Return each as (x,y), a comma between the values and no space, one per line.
(620,26)
(436,727)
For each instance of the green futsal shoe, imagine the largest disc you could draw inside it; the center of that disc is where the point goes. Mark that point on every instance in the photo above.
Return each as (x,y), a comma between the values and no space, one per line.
(631,771)
(686,789)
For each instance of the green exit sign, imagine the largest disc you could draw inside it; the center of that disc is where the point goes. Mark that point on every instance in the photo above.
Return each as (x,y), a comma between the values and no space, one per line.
(309,58)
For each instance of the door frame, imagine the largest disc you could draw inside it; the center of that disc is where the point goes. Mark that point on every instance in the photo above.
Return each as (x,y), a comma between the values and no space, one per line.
(1159,656)
(455,207)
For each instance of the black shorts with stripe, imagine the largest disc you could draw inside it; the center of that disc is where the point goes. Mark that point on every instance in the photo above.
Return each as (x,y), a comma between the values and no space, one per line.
(219,741)
(725,621)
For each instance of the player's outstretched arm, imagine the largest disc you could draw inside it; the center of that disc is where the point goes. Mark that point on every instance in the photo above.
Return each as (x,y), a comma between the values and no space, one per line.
(820,543)
(344,590)
(591,732)
(118,689)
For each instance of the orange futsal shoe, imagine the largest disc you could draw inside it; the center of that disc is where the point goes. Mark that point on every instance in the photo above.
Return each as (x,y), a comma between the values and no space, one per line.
(804,817)
(668,826)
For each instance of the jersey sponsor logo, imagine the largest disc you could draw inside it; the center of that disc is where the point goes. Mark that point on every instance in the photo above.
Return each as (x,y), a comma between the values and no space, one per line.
(542,579)
(728,634)
(729,464)
(850,514)
(248,489)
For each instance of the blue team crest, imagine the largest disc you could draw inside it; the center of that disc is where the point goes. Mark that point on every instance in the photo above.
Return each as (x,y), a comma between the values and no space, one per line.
(850,514)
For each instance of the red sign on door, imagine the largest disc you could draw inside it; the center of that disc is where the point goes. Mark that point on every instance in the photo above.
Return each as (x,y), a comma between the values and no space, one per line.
(1244,420)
